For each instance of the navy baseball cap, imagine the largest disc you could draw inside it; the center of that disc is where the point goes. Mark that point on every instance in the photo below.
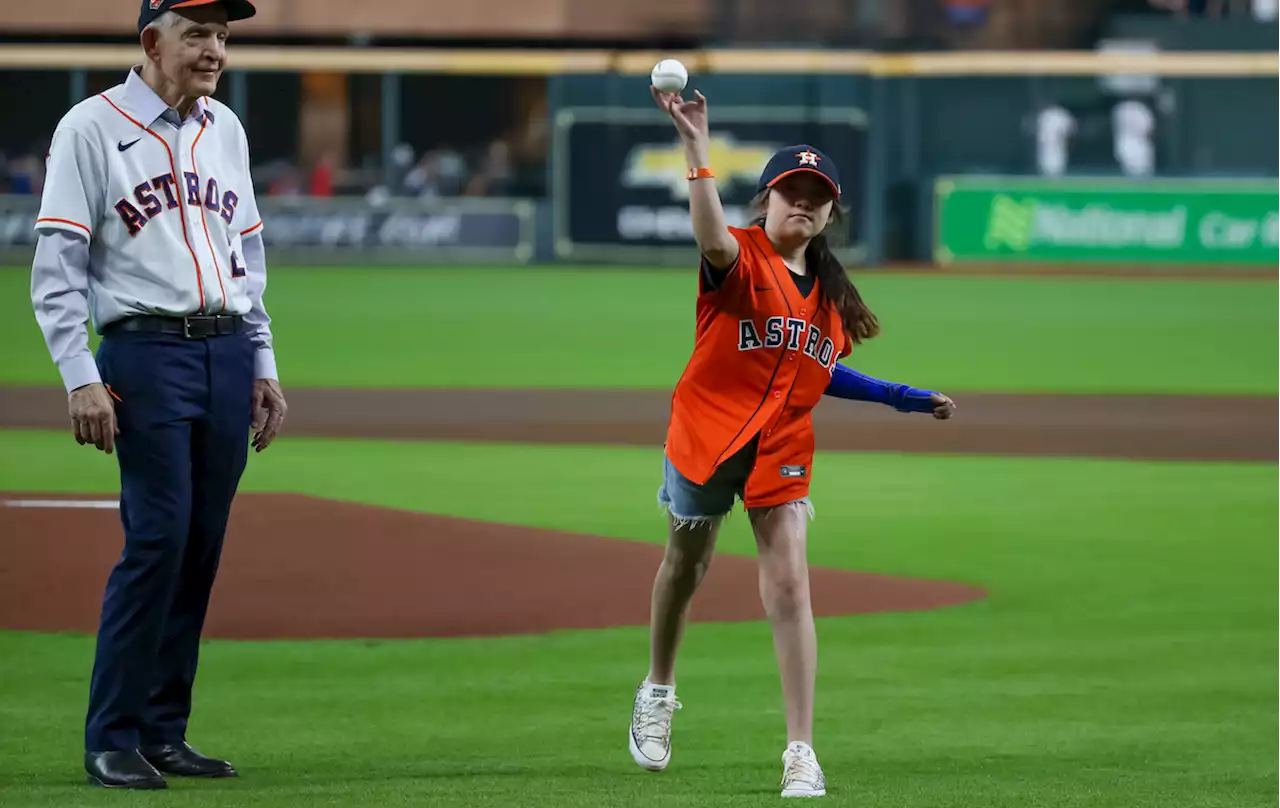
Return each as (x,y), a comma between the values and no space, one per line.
(792,159)
(236,9)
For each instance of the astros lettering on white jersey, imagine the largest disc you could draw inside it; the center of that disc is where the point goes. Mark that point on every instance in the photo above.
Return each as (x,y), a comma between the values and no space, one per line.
(166,207)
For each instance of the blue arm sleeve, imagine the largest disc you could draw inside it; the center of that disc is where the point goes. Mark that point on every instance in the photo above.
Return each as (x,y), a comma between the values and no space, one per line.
(849,383)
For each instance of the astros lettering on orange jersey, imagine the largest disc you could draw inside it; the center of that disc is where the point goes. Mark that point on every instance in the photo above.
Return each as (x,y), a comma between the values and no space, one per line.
(763,356)
(778,329)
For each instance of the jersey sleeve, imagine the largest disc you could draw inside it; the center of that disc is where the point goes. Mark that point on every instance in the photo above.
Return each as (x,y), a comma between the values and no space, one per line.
(74,184)
(712,278)
(250,218)
(250,229)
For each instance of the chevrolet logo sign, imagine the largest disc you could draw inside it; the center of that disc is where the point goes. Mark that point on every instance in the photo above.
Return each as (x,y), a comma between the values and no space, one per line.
(654,165)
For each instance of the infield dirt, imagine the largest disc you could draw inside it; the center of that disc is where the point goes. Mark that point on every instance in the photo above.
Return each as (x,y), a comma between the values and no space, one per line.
(302,567)
(1130,426)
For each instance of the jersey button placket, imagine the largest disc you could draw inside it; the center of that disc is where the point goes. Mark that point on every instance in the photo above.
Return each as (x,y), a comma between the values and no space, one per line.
(791,356)
(189,211)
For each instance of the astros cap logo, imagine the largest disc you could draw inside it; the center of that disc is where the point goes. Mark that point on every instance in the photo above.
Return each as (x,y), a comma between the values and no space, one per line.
(808,158)
(155,4)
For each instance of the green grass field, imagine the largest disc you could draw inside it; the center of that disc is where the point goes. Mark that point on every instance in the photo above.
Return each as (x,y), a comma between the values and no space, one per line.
(618,328)
(1125,658)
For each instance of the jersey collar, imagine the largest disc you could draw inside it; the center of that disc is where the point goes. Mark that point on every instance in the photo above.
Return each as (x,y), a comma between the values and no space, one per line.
(147,106)
(790,290)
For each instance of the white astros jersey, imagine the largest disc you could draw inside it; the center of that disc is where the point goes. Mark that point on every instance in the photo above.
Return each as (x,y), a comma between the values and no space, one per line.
(165,207)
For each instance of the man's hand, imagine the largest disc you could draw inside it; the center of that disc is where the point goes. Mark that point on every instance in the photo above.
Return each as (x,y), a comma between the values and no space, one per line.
(93,416)
(268,412)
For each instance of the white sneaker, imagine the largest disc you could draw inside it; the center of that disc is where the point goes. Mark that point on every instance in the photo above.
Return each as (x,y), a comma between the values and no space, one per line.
(650,735)
(801,774)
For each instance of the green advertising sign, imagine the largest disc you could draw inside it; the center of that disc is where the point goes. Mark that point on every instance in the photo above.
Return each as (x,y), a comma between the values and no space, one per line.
(1129,220)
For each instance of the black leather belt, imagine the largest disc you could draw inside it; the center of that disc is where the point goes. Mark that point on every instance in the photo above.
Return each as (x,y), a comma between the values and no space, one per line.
(193,326)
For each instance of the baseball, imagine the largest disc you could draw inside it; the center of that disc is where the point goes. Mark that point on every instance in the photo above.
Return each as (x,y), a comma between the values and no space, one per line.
(669,76)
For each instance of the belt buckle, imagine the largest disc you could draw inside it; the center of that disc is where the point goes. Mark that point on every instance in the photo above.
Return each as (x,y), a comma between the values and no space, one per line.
(187,326)
(210,325)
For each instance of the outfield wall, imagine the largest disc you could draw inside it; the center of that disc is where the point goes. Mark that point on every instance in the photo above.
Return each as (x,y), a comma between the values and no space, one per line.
(904,129)
(986,221)
(920,119)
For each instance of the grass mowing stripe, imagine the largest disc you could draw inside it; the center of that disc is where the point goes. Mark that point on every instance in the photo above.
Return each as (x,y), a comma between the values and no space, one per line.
(501,327)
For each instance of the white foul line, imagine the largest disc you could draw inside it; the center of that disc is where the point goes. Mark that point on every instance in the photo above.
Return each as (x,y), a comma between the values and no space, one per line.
(103,504)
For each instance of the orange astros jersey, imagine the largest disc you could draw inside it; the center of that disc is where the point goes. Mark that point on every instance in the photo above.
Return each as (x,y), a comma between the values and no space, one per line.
(762,358)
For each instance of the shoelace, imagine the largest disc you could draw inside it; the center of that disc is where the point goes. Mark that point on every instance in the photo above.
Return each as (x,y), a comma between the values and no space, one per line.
(802,769)
(653,718)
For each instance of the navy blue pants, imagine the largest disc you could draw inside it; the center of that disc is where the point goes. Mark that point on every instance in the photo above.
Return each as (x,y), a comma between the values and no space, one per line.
(184,409)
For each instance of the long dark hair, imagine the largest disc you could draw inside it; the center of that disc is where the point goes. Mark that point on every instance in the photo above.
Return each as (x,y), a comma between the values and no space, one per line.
(833,281)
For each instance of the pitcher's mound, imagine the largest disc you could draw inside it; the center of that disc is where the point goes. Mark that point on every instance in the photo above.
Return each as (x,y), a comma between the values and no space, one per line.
(301,567)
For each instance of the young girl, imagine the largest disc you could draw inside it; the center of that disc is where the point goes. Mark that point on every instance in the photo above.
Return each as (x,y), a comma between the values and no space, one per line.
(775,311)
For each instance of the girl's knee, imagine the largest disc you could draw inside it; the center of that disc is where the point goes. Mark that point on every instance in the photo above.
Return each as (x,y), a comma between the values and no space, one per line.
(786,594)
(688,561)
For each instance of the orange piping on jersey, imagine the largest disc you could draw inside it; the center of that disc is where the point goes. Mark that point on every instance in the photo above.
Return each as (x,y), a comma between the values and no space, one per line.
(66,221)
(772,271)
(251,229)
(786,402)
(204,221)
(174,168)
(756,236)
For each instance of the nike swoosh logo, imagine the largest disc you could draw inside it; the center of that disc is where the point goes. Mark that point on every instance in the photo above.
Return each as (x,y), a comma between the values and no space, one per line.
(122,146)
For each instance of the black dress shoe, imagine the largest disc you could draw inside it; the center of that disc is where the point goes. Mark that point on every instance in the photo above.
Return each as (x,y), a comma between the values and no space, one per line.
(181,760)
(128,769)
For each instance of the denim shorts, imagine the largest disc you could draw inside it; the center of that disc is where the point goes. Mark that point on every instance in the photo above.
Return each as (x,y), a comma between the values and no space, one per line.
(688,501)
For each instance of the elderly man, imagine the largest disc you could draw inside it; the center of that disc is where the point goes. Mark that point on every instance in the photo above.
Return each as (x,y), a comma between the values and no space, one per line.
(148,222)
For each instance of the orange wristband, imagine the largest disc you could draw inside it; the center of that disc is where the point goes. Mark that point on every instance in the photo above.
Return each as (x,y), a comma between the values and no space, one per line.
(699,174)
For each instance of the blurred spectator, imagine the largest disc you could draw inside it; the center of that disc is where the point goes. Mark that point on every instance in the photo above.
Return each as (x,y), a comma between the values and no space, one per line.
(1261,10)
(401,163)
(507,166)
(1188,8)
(966,12)
(378,196)
(1133,125)
(285,182)
(321,181)
(439,172)
(1054,128)
(22,175)
(495,177)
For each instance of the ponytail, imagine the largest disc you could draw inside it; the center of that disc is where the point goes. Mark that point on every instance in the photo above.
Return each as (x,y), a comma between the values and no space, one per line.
(859,322)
